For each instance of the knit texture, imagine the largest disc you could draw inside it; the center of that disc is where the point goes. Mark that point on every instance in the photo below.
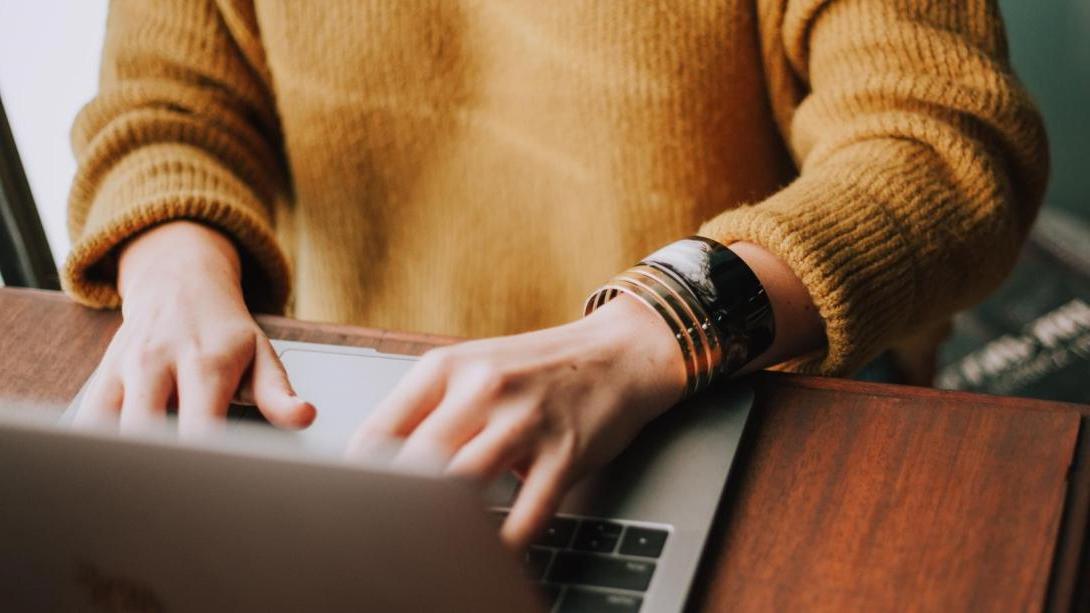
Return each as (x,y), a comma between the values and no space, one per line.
(478,167)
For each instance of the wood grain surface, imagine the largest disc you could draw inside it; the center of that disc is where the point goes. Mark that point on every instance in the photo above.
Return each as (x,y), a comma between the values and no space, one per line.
(850,496)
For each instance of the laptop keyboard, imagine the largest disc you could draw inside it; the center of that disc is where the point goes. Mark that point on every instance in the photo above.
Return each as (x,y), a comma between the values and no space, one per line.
(587,564)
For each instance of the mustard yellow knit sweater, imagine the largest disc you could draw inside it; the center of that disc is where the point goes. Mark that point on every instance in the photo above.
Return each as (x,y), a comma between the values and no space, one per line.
(477,167)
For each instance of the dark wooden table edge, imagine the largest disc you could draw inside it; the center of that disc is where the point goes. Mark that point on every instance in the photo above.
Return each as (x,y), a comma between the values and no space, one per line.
(1069,576)
(900,391)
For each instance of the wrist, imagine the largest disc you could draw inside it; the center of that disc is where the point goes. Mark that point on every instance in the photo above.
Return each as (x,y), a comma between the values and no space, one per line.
(178,253)
(802,328)
(636,336)
(714,303)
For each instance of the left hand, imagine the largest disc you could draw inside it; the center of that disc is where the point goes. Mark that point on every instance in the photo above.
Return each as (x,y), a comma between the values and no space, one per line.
(551,404)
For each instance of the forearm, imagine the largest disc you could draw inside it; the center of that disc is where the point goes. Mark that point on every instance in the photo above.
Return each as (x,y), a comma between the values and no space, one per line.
(921,160)
(183,128)
(643,318)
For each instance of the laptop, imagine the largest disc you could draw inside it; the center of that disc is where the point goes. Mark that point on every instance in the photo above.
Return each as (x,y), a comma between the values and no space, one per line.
(261,519)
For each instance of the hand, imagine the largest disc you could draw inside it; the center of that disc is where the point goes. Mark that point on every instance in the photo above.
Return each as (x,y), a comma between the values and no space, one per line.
(551,404)
(188,337)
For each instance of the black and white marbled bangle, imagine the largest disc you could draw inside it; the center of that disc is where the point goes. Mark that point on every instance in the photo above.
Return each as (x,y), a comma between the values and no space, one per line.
(714,303)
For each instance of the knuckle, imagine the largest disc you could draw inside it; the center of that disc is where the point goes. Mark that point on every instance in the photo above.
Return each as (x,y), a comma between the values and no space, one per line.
(149,352)
(230,343)
(135,365)
(478,469)
(438,360)
(430,440)
(244,338)
(567,451)
(488,380)
(526,421)
(210,363)
(487,384)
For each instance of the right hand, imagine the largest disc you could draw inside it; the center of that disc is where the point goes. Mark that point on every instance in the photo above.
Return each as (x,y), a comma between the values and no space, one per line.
(186,339)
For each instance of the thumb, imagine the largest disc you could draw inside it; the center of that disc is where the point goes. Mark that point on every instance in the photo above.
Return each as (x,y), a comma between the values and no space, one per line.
(272,393)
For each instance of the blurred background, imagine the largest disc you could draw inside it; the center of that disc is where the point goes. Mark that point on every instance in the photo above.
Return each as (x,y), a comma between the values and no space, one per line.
(1030,338)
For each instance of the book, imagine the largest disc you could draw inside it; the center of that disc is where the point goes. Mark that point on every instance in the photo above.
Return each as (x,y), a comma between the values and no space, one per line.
(1031,337)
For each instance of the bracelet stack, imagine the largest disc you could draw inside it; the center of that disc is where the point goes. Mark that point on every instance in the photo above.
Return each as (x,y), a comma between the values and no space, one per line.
(715,306)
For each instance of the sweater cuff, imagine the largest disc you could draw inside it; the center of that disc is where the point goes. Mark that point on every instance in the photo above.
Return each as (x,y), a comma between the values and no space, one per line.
(855,264)
(160,183)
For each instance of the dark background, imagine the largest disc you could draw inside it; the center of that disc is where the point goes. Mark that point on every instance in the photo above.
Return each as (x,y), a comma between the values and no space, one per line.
(1032,336)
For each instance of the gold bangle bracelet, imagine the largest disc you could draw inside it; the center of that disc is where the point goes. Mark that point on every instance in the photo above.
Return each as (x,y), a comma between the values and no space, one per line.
(708,332)
(616,286)
(689,324)
(677,326)
(712,301)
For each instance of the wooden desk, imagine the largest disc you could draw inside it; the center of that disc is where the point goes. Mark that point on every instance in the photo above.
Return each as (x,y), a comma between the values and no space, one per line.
(848,495)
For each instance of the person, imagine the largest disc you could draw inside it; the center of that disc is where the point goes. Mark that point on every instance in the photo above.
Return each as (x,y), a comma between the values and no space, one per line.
(853,171)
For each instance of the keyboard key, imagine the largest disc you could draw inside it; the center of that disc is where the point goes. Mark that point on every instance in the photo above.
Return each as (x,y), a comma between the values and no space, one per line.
(604,528)
(535,561)
(557,532)
(597,536)
(586,601)
(598,571)
(643,542)
(549,594)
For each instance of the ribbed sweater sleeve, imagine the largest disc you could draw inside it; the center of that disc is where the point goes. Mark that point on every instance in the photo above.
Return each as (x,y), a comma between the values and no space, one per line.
(922,164)
(183,127)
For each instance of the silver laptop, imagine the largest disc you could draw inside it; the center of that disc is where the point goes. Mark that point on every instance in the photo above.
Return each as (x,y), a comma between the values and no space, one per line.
(267,520)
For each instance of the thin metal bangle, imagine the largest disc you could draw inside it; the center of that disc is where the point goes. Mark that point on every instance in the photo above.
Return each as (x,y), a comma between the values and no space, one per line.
(615,286)
(728,289)
(708,332)
(690,350)
(690,324)
(612,289)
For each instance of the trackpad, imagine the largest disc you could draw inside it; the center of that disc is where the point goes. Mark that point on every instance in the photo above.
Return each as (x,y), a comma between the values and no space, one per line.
(344,387)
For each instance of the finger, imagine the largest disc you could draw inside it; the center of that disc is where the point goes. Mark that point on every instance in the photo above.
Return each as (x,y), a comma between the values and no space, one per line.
(102,400)
(204,393)
(537,500)
(411,400)
(272,392)
(459,417)
(101,403)
(497,448)
(433,450)
(377,452)
(146,393)
(244,395)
